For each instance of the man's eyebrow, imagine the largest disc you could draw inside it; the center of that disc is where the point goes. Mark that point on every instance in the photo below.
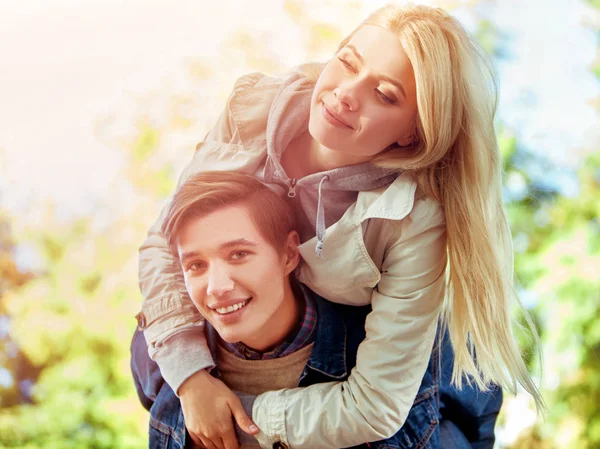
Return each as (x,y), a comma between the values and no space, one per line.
(386,78)
(237,242)
(230,244)
(188,255)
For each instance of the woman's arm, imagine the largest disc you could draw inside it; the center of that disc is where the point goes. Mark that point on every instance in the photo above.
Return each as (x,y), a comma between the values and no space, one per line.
(375,400)
(172,326)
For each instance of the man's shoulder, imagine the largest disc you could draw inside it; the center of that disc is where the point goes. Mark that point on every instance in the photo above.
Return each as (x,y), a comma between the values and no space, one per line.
(350,316)
(340,329)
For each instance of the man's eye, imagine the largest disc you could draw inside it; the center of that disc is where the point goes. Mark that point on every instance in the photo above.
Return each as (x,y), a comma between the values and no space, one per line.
(237,255)
(195,266)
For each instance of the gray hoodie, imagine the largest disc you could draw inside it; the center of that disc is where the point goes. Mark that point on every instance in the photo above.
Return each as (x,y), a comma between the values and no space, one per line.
(319,199)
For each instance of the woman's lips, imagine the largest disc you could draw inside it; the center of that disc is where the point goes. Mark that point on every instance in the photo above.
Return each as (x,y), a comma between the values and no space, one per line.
(332,118)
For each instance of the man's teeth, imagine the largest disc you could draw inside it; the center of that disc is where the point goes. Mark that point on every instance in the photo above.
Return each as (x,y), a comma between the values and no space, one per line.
(233,308)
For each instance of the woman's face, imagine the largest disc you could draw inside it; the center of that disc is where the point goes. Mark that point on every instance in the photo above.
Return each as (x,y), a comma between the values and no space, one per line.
(365,98)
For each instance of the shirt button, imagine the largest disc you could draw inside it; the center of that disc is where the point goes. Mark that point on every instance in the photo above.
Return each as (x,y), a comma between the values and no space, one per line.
(141,319)
(280,445)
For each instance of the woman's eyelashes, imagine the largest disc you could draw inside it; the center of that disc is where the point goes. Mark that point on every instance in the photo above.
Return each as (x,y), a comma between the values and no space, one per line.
(348,65)
(353,69)
(385,98)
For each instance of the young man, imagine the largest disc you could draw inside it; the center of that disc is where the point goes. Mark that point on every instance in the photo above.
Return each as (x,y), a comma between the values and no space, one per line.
(236,242)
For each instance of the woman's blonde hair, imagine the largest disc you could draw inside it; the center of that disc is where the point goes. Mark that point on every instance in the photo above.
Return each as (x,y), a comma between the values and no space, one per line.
(455,159)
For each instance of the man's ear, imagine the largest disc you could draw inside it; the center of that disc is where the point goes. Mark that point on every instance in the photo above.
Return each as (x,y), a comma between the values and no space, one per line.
(292,255)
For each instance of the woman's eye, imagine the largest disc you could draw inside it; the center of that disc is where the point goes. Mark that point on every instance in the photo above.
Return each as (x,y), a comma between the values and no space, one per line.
(384,97)
(347,65)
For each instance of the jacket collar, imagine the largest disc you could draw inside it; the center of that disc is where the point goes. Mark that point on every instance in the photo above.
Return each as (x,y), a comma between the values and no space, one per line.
(393,202)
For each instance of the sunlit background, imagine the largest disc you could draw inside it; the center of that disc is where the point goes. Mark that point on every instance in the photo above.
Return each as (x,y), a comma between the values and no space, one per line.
(101,104)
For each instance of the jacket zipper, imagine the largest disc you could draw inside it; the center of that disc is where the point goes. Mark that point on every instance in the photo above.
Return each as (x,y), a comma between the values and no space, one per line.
(291,187)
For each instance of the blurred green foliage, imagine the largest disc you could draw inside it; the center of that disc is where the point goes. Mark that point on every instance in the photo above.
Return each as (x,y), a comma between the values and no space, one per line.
(557,259)
(73,319)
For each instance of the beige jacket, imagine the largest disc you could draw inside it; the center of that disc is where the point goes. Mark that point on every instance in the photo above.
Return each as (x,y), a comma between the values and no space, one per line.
(388,249)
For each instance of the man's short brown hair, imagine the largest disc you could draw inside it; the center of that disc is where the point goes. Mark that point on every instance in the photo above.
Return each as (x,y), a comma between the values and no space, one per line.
(207,192)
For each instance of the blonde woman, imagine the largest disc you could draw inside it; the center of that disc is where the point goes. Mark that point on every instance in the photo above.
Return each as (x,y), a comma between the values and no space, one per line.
(389,156)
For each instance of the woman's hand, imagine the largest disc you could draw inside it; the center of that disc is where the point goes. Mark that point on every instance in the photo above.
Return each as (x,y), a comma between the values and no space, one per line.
(208,408)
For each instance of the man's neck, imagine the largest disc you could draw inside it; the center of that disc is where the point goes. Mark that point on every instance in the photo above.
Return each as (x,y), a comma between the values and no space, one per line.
(281,324)
(299,336)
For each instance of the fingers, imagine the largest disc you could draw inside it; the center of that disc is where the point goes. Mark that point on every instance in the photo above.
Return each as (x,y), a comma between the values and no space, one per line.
(196,439)
(220,437)
(230,440)
(208,444)
(242,419)
(195,446)
(207,413)
(202,441)
(228,436)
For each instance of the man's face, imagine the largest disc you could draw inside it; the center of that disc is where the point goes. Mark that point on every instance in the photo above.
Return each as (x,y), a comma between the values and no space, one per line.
(236,278)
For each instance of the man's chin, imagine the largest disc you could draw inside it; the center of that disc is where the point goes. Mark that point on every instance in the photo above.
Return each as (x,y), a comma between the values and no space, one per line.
(228,336)
(231,335)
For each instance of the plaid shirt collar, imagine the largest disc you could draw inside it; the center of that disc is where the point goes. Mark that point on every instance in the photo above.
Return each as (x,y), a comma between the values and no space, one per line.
(302,335)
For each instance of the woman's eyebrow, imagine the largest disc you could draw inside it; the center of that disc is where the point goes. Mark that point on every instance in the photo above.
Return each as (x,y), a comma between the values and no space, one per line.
(356,53)
(395,83)
(385,78)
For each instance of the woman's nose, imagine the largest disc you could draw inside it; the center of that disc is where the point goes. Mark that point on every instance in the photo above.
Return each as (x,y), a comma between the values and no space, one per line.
(346,94)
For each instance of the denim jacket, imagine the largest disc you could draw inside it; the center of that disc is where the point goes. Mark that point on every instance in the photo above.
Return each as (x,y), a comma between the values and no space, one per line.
(340,329)
(466,417)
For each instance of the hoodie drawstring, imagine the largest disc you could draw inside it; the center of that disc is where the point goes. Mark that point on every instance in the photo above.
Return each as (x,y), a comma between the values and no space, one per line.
(320,226)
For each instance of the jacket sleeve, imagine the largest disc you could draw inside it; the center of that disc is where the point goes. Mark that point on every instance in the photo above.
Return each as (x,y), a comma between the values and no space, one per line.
(391,361)
(172,326)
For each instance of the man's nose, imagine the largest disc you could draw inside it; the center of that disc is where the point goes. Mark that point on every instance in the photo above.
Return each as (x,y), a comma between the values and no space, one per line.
(219,281)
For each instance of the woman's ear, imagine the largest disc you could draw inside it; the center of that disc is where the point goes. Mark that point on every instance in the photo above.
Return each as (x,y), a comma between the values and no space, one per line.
(292,255)
(404,142)
(410,138)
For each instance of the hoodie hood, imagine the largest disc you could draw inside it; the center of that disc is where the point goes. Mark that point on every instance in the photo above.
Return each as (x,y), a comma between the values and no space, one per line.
(325,196)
